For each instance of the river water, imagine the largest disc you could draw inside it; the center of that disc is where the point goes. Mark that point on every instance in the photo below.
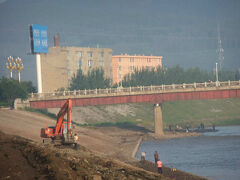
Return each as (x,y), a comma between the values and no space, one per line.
(215,155)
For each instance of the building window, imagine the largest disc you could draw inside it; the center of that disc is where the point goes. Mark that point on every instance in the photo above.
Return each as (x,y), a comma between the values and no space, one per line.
(90,54)
(149,68)
(68,53)
(101,63)
(101,54)
(131,59)
(119,59)
(68,64)
(79,54)
(90,63)
(69,83)
(80,63)
(69,73)
(131,68)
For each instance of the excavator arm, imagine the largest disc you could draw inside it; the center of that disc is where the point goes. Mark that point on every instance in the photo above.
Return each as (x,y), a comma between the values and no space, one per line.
(66,108)
(61,130)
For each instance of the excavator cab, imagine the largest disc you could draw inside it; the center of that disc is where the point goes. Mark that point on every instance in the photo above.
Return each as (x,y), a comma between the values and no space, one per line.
(47,132)
(62,132)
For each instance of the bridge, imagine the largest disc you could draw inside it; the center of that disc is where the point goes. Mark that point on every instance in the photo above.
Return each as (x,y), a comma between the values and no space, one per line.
(151,94)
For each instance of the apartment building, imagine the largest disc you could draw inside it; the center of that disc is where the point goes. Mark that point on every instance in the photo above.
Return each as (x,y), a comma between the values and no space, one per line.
(125,64)
(61,63)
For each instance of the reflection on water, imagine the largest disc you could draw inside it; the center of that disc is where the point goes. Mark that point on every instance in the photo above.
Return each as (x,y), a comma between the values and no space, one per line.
(215,155)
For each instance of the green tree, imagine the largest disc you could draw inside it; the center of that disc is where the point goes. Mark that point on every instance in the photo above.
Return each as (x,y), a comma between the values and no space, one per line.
(174,75)
(29,86)
(79,81)
(12,89)
(237,75)
(94,79)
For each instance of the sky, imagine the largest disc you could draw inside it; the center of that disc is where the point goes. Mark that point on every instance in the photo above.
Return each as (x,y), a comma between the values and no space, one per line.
(184,32)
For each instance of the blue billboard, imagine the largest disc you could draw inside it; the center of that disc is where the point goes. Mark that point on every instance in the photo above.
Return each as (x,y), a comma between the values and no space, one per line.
(39,38)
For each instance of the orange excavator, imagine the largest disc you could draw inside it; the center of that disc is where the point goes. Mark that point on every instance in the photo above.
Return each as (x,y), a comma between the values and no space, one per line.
(62,132)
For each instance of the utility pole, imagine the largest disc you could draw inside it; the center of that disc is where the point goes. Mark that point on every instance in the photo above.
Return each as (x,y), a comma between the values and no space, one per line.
(220,50)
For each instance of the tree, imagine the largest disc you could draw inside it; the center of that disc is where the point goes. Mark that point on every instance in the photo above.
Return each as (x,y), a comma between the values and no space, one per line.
(79,81)
(29,86)
(12,89)
(174,75)
(94,79)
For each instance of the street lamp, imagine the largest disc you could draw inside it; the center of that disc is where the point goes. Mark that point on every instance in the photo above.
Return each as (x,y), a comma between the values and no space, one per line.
(10,65)
(19,67)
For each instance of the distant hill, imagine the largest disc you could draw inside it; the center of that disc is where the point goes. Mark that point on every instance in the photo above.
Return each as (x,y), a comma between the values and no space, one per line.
(183,32)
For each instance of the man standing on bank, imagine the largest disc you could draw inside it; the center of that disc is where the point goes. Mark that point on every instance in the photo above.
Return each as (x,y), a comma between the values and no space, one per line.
(156,157)
(75,140)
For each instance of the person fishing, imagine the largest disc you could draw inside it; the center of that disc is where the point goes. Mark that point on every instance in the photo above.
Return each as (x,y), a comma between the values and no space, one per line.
(156,157)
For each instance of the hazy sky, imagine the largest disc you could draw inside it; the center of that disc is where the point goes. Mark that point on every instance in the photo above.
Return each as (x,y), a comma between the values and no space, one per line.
(182,31)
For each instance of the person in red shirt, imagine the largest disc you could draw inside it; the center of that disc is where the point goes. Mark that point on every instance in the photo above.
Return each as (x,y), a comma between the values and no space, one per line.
(159,165)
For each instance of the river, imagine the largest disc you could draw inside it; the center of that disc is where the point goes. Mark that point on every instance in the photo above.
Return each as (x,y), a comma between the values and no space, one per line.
(214,155)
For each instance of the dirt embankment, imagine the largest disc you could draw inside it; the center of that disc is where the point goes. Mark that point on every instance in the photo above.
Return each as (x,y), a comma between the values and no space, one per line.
(24,159)
(104,153)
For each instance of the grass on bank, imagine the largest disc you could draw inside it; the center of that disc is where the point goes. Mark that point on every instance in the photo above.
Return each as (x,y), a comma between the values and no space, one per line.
(184,113)
(209,112)
(187,113)
(121,124)
(41,111)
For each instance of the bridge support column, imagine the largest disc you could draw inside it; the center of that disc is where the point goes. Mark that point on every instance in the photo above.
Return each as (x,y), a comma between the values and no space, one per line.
(158,119)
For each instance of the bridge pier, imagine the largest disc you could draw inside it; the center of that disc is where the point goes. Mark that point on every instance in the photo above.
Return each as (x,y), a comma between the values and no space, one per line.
(158,119)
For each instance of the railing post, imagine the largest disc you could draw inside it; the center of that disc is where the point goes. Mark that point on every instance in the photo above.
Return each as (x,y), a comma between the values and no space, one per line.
(151,87)
(184,85)
(32,95)
(96,91)
(195,85)
(74,92)
(162,86)
(173,86)
(229,83)
(64,93)
(85,92)
(205,84)
(130,89)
